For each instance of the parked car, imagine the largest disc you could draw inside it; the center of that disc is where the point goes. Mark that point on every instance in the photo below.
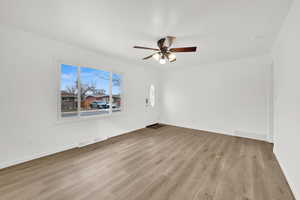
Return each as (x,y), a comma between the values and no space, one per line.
(114,105)
(99,105)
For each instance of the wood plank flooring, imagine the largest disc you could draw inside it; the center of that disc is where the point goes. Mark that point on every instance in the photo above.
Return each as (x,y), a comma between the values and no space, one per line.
(158,164)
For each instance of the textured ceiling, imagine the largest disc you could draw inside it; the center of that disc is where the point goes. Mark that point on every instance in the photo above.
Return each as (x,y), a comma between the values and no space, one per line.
(222,29)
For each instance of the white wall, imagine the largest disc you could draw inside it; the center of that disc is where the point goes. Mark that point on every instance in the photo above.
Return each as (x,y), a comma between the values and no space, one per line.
(29,87)
(287,98)
(230,97)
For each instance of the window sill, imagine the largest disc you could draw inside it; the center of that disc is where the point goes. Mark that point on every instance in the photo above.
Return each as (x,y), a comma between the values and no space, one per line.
(85,118)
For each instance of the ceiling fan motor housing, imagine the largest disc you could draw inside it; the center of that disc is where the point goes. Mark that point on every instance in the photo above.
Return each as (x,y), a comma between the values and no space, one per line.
(160,42)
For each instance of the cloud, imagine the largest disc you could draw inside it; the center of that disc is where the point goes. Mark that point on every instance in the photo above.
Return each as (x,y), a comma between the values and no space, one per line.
(67,76)
(87,74)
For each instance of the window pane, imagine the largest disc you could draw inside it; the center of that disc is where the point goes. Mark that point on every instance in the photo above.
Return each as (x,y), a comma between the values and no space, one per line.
(152,95)
(68,90)
(116,92)
(94,91)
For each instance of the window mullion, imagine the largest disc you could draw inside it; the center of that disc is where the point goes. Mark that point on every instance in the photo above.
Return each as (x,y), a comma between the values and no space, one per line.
(110,93)
(79,92)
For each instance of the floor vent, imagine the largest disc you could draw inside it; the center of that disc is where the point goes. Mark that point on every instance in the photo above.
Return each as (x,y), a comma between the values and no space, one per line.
(155,126)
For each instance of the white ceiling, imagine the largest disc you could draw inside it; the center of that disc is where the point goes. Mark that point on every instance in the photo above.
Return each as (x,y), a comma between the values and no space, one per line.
(222,29)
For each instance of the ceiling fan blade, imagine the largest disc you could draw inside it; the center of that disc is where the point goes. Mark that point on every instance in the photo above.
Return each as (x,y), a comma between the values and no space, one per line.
(171,57)
(170,40)
(148,57)
(183,49)
(173,60)
(147,48)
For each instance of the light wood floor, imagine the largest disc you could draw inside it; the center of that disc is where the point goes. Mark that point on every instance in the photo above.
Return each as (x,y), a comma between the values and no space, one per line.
(167,163)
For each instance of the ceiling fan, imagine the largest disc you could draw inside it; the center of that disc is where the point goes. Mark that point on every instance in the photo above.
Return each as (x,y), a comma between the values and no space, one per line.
(164,53)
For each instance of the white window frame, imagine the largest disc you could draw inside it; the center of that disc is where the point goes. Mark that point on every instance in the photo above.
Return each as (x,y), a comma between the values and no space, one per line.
(78,116)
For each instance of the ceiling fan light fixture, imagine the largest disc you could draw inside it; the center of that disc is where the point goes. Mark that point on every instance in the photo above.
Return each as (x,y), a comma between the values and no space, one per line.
(162,61)
(172,57)
(156,56)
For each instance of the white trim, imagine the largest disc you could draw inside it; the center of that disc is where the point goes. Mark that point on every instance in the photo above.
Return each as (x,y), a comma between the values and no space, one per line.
(270,91)
(251,135)
(78,82)
(35,156)
(84,118)
(242,134)
(121,91)
(66,147)
(58,75)
(110,93)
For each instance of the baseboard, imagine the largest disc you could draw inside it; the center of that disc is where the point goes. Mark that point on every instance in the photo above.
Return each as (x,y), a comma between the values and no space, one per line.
(286,175)
(67,147)
(82,144)
(250,135)
(242,134)
(36,156)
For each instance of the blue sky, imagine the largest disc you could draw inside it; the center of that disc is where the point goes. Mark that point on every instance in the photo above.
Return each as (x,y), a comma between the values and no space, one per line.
(87,76)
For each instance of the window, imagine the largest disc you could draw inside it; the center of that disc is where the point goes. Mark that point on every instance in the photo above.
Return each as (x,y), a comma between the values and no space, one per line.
(116,93)
(87,91)
(69,91)
(152,95)
(94,91)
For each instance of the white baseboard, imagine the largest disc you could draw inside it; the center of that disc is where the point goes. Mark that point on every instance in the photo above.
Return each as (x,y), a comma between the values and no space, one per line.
(85,143)
(251,135)
(67,147)
(36,156)
(242,134)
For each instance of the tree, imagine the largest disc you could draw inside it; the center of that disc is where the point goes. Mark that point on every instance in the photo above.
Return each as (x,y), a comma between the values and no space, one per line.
(85,89)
